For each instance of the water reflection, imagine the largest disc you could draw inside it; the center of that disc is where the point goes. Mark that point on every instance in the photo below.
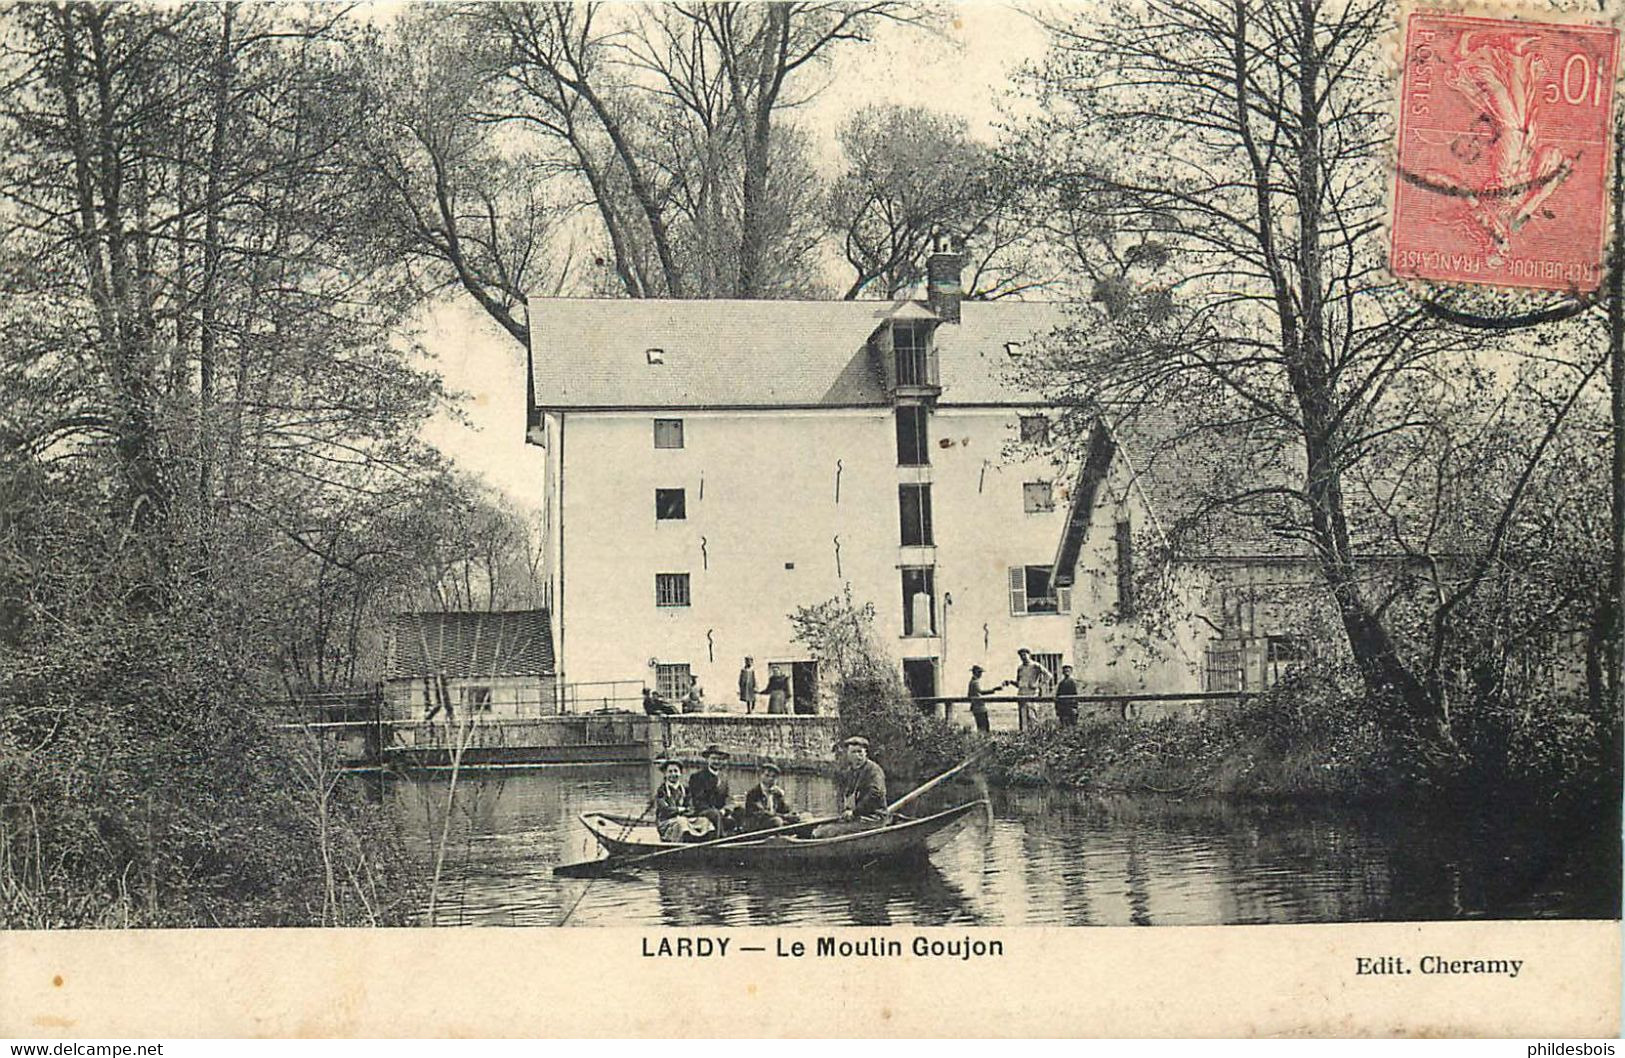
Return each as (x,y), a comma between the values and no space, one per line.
(1042,857)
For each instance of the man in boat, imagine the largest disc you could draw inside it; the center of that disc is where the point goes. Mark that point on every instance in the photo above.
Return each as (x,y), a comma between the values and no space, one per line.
(766,807)
(863,792)
(674,808)
(708,790)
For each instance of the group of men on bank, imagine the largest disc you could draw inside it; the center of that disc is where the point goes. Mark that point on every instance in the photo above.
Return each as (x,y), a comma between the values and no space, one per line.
(702,808)
(1030,680)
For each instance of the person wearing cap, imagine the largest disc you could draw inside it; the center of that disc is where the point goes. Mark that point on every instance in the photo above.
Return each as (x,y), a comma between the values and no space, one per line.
(1066,698)
(708,790)
(978,707)
(674,809)
(1030,682)
(863,792)
(766,806)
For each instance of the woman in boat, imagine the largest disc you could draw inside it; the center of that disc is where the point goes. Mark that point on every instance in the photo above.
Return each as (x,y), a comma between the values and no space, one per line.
(766,807)
(674,817)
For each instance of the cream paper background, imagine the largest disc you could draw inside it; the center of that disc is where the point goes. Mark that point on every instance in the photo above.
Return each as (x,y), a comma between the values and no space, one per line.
(1159,981)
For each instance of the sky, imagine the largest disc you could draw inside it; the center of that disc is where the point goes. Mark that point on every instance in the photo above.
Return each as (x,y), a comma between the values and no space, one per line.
(962,72)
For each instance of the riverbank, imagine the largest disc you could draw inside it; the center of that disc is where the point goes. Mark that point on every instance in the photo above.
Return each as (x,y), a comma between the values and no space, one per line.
(1313,740)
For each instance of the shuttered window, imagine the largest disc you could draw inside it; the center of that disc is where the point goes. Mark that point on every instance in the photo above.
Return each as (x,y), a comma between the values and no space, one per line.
(1030,592)
(668,433)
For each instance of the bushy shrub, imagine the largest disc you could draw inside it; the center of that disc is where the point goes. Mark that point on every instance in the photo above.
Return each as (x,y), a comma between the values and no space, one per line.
(869,696)
(146,784)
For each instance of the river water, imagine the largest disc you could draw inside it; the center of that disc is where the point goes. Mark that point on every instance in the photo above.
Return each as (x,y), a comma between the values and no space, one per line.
(1040,856)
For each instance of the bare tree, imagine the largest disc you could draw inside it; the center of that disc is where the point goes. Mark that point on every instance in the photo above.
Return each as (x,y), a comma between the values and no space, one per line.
(1213,170)
(910,174)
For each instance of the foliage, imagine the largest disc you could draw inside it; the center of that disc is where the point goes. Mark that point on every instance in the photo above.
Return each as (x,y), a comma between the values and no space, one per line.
(839,633)
(215,419)
(912,174)
(1235,273)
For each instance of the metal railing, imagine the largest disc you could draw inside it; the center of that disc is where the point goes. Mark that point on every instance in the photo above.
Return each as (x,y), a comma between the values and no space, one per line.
(590,696)
(1124,705)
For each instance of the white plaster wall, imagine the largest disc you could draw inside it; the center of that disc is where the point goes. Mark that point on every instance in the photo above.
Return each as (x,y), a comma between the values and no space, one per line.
(982,530)
(769,499)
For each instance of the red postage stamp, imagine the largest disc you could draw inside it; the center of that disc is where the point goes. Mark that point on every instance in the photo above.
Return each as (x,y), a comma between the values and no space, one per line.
(1505,137)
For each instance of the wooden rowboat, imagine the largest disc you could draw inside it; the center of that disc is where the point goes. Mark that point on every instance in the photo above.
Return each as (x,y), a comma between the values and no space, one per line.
(623,836)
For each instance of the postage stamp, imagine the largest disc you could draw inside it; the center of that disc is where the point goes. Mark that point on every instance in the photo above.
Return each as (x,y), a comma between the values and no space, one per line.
(1505,137)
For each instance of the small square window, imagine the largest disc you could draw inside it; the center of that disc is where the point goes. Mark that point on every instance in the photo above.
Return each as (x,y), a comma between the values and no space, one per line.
(671,589)
(1035,429)
(1037,497)
(476,699)
(655,356)
(668,433)
(671,505)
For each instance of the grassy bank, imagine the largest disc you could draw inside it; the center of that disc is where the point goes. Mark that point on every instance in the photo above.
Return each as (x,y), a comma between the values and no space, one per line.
(1309,740)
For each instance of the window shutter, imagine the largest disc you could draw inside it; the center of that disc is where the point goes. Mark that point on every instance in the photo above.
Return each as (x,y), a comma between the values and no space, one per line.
(1018,590)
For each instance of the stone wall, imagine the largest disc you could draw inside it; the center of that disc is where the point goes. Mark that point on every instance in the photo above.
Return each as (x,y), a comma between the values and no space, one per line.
(793,741)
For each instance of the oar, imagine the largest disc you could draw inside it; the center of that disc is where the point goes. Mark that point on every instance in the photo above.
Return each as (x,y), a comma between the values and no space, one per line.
(610,864)
(915,793)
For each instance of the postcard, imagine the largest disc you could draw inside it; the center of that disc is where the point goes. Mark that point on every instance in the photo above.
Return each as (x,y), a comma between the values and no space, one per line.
(853,519)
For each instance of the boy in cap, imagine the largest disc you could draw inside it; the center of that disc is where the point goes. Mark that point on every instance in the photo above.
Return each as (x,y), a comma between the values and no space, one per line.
(766,806)
(708,790)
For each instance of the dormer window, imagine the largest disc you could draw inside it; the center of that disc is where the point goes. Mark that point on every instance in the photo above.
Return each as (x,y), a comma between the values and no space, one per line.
(1012,350)
(655,356)
(911,345)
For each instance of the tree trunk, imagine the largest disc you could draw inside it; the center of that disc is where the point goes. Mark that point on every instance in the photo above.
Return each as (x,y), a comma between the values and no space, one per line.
(1610,685)
(753,198)
(1411,705)
(212,252)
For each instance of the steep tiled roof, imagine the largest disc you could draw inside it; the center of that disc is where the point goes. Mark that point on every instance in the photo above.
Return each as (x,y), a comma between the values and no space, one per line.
(1183,466)
(594,353)
(463,645)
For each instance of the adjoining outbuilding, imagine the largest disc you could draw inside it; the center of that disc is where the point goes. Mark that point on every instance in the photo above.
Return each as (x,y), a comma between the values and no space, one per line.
(496,664)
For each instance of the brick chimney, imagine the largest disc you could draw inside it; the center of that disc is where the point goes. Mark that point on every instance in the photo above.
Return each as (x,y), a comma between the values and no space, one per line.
(942,276)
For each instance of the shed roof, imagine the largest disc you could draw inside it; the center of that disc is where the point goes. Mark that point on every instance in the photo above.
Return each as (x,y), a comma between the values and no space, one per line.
(471,645)
(594,353)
